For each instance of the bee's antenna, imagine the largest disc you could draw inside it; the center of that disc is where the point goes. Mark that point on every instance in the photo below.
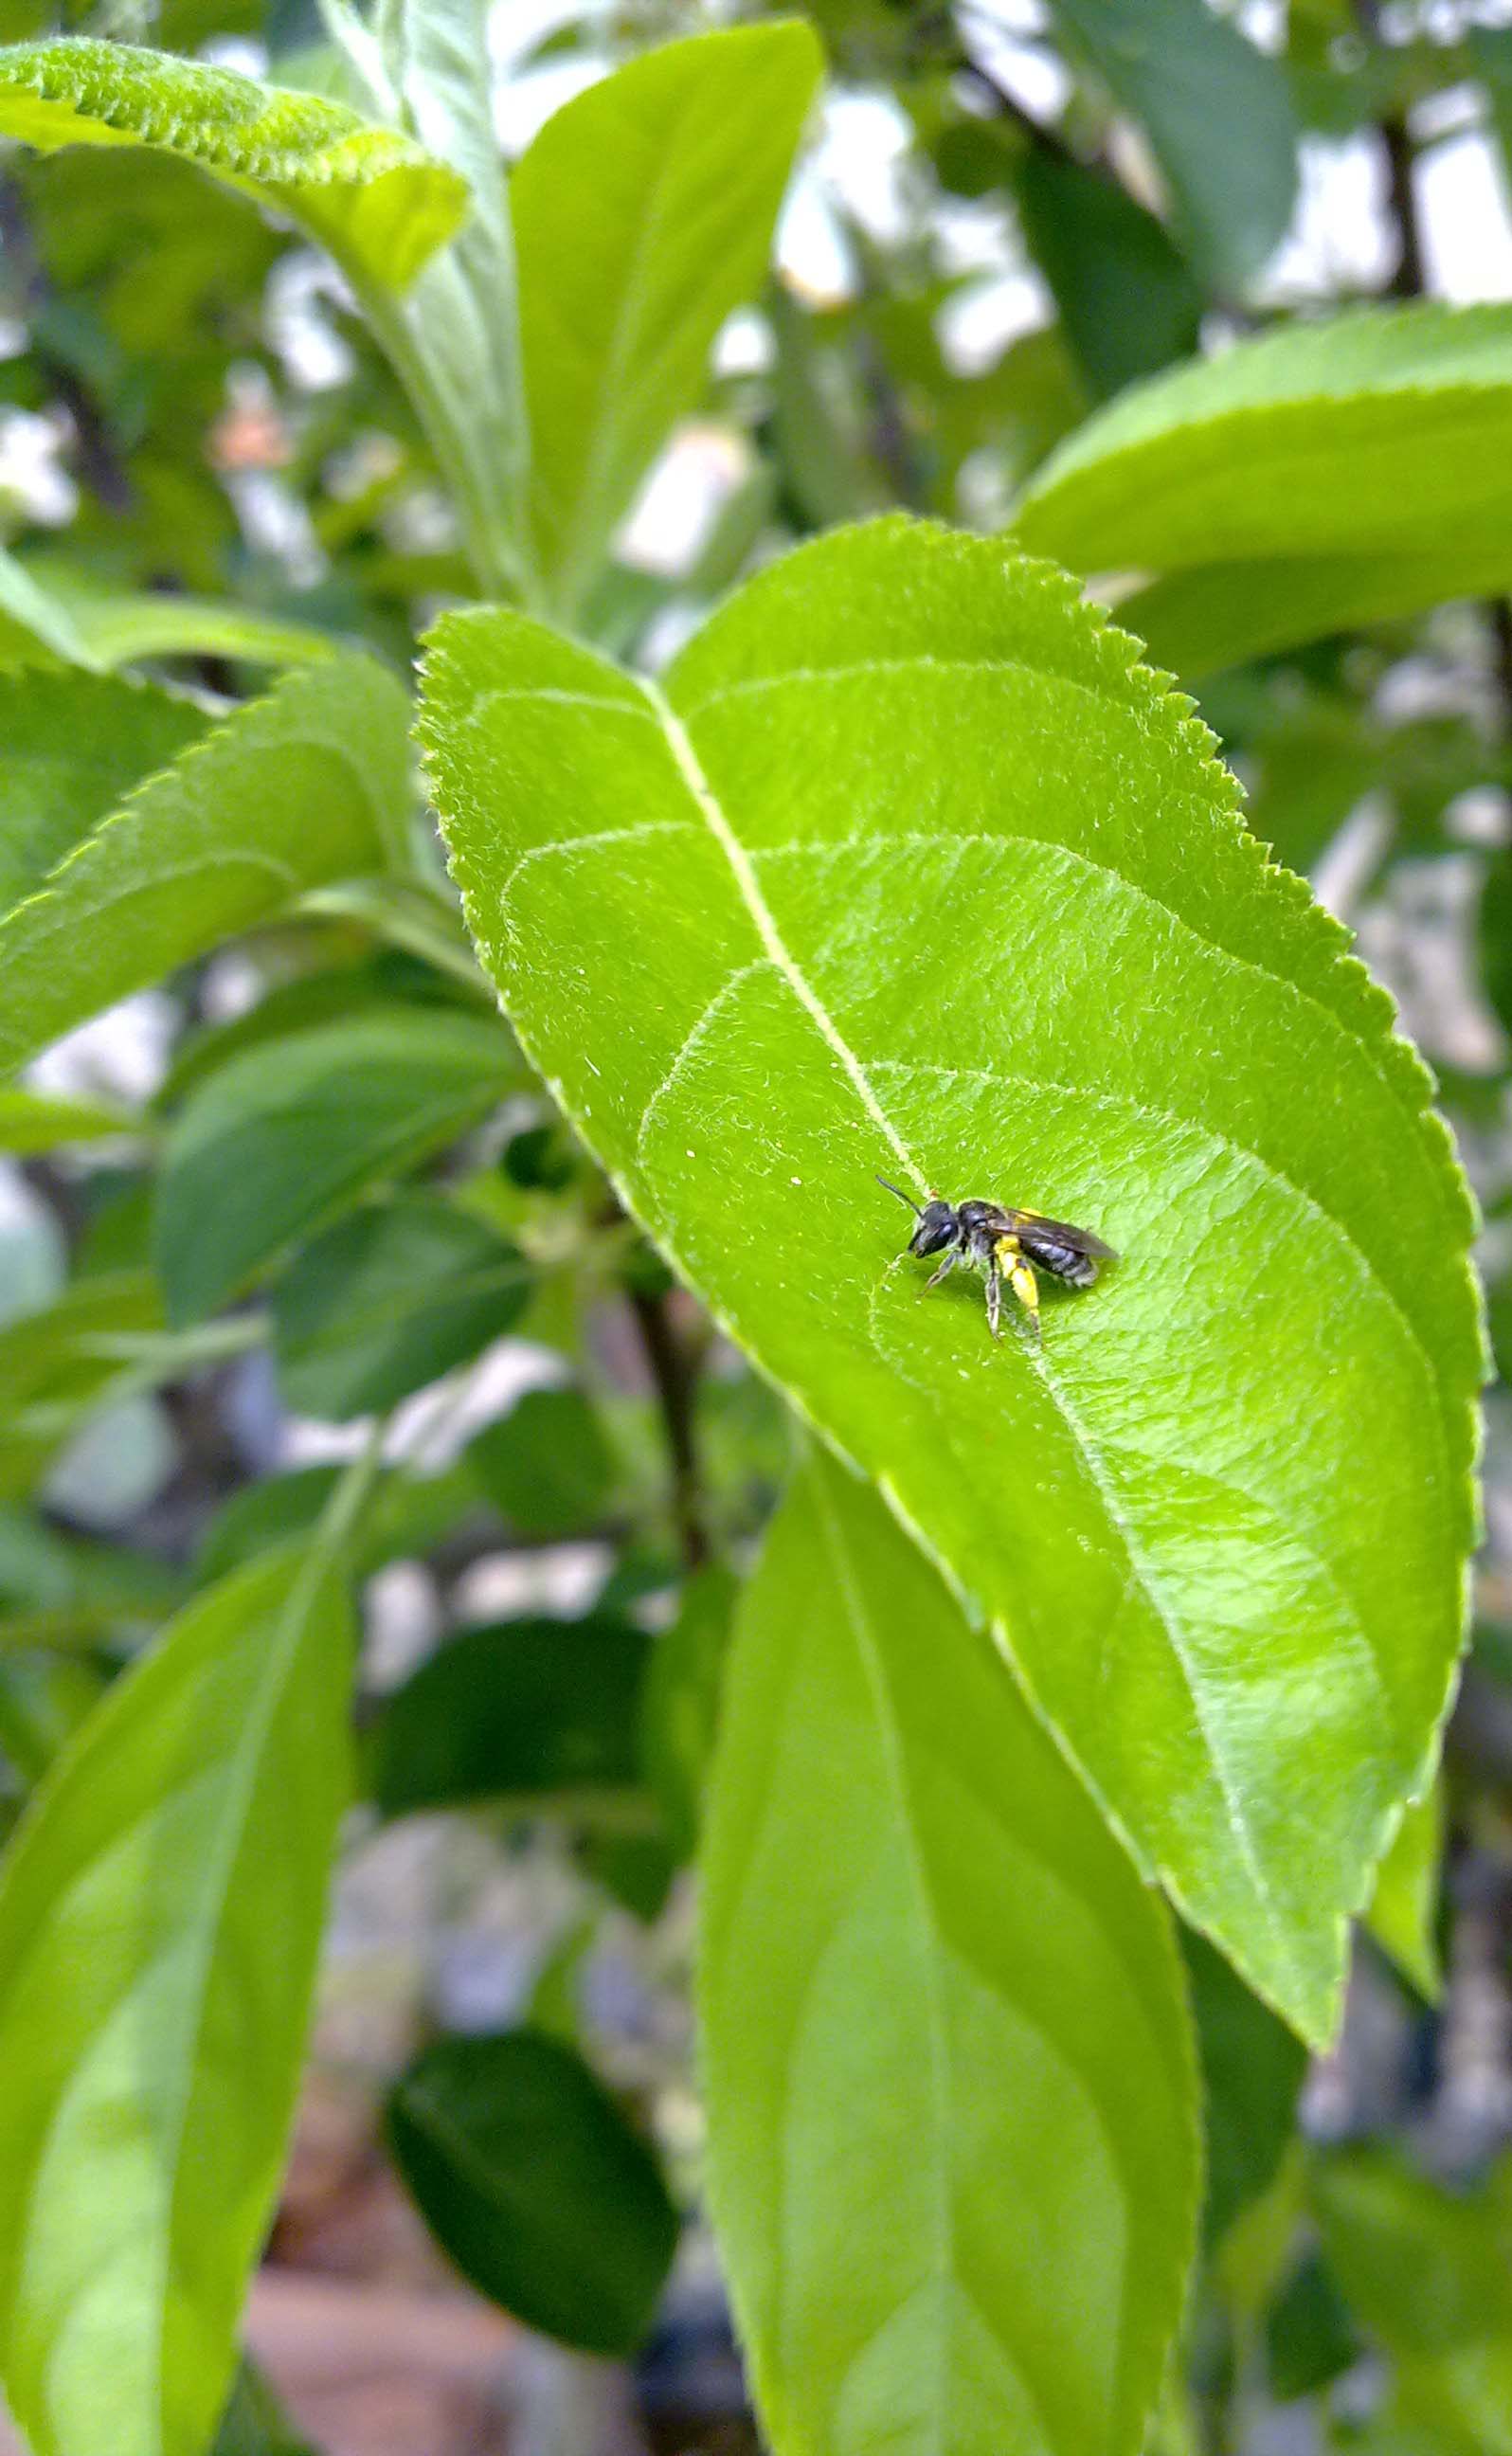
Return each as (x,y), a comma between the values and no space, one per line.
(902,1197)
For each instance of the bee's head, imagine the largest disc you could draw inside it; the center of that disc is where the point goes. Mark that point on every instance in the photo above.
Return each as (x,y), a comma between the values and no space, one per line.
(937,1228)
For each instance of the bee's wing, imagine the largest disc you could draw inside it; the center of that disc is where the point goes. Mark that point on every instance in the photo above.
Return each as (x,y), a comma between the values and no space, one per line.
(1032,1226)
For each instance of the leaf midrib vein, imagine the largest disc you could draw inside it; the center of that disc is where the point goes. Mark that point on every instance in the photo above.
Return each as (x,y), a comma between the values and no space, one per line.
(748,886)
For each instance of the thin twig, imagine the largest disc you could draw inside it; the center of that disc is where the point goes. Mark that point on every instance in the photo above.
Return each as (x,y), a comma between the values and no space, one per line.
(674,1374)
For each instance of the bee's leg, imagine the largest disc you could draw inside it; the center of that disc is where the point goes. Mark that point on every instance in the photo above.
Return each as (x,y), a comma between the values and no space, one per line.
(995,1297)
(946,1268)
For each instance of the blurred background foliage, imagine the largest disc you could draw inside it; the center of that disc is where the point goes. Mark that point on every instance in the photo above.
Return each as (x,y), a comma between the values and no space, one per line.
(1006,213)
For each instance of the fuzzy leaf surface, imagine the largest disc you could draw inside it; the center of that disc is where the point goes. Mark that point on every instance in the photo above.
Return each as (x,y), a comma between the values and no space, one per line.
(372,197)
(914,1916)
(159,1923)
(1317,478)
(107,889)
(910,868)
(642,216)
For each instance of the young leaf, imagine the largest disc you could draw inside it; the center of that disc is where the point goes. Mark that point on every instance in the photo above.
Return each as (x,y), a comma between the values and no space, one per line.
(517,1706)
(924,1958)
(532,2181)
(945,885)
(1326,475)
(372,198)
(282,1138)
(160,1916)
(1218,116)
(103,895)
(389,1300)
(643,215)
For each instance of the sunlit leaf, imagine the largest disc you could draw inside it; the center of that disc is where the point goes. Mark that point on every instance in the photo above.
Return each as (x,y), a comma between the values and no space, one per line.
(1323,475)
(643,215)
(925,1959)
(378,202)
(908,867)
(159,1920)
(107,888)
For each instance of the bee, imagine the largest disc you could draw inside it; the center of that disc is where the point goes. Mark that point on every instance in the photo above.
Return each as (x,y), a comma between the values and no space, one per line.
(1007,1245)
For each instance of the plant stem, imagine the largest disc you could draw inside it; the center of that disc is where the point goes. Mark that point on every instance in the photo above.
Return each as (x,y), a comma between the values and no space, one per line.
(674,1374)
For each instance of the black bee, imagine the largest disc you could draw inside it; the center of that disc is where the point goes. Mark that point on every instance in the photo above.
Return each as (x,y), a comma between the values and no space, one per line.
(1006,1244)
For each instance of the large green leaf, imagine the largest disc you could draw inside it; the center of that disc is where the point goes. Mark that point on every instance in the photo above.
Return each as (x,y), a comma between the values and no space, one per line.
(282,1138)
(911,867)
(1218,116)
(371,196)
(159,1921)
(103,895)
(643,215)
(1318,477)
(534,2182)
(924,1960)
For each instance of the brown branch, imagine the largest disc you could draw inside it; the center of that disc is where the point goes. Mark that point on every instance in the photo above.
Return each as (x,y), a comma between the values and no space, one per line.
(673,1367)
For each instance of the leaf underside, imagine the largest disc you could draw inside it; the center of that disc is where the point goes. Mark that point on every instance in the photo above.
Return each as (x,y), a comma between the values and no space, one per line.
(945,1943)
(946,886)
(371,195)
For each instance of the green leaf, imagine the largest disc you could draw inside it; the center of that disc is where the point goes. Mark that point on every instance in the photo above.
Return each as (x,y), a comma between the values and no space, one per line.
(388,1300)
(924,1958)
(371,196)
(58,1363)
(1251,2073)
(1218,116)
(160,1918)
(281,1139)
(1127,304)
(513,1707)
(533,2182)
(459,336)
(642,216)
(107,889)
(546,1466)
(1429,2272)
(1321,476)
(71,747)
(38,1121)
(1405,1906)
(407,1517)
(910,868)
(34,628)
